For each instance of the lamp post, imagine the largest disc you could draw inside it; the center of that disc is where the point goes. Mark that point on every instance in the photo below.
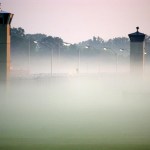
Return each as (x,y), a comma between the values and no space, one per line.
(146,54)
(79,57)
(59,58)
(78,60)
(51,54)
(51,62)
(116,56)
(29,55)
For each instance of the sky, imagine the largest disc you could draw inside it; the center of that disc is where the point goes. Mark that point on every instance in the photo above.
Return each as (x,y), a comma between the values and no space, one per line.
(78,20)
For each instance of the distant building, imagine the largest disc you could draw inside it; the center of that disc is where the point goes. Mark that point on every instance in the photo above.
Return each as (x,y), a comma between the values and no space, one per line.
(137,51)
(5,21)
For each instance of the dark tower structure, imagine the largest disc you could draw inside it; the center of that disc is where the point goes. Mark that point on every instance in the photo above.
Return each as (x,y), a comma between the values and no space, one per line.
(137,43)
(5,21)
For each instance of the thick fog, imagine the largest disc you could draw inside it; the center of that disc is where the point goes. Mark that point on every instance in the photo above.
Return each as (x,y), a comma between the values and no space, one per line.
(69,103)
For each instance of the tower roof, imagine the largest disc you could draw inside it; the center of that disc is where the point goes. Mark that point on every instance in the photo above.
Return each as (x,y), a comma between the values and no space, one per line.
(137,36)
(4,12)
(5,17)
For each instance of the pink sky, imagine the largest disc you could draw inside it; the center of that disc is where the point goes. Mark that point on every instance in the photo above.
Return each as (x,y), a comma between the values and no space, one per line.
(78,20)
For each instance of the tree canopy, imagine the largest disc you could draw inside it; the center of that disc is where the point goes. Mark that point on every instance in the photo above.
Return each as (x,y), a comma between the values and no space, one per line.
(21,42)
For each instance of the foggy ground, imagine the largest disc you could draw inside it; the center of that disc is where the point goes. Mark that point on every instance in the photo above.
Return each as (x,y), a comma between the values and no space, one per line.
(71,113)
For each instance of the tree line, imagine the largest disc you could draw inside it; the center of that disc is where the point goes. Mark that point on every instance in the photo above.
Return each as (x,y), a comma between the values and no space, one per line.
(41,44)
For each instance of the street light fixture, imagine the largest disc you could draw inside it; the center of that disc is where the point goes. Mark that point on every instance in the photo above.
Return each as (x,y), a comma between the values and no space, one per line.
(105,49)
(121,49)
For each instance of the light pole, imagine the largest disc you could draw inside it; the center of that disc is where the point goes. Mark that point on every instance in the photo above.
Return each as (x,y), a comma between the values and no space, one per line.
(79,60)
(59,54)
(51,62)
(51,54)
(59,58)
(146,53)
(116,56)
(79,56)
(29,55)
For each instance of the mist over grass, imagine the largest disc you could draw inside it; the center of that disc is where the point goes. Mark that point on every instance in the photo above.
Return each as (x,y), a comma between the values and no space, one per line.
(67,104)
(103,112)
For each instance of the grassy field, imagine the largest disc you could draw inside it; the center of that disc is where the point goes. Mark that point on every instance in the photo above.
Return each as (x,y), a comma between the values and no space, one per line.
(75,114)
(74,147)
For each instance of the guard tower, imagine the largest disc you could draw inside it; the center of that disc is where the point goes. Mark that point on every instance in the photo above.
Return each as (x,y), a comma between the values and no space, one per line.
(137,43)
(5,21)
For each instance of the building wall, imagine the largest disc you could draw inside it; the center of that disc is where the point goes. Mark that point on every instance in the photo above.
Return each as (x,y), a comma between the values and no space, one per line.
(4,51)
(136,57)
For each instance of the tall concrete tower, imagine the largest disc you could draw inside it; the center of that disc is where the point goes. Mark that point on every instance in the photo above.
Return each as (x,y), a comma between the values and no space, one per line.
(5,21)
(137,43)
